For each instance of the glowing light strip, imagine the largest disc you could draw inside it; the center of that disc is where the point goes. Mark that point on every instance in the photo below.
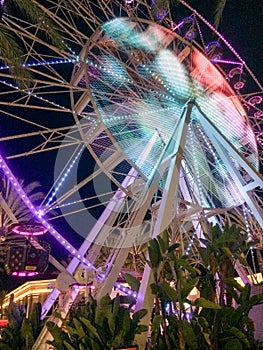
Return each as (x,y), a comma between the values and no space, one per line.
(227,62)
(37,64)
(218,162)
(249,234)
(69,168)
(104,69)
(188,249)
(64,176)
(24,274)
(26,233)
(34,95)
(126,290)
(199,183)
(153,74)
(33,210)
(245,212)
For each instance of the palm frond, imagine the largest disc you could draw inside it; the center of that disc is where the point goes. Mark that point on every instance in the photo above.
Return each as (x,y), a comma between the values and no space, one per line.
(219,12)
(20,211)
(11,55)
(34,12)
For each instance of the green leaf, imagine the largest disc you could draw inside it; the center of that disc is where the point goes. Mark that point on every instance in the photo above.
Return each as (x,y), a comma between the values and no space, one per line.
(189,335)
(137,316)
(104,301)
(256,299)
(201,302)
(112,323)
(68,346)
(58,334)
(233,344)
(116,305)
(156,323)
(207,338)
(204,323)
(161,244)
(141,329)
(79,327)
(233,283)
(56,345)
(204,256)
(189,286)
(173,247)
(95,346)
(227,252)
(185,264)
(91,328)
(245,294)
(169,291)
(133,282)
(154,253)
(166,240)
(218,14)
(240,335)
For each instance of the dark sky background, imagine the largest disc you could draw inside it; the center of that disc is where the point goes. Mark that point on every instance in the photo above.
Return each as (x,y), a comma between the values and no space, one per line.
(242,26)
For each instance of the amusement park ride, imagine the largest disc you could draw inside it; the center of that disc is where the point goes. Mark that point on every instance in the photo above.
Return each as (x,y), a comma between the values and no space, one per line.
(168,110)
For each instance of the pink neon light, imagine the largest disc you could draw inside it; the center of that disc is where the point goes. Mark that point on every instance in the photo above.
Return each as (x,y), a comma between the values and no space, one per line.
(28,233)
(258,114)
(24,274)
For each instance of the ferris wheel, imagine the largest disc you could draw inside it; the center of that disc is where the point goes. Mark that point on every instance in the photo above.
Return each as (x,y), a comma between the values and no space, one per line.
(143,119)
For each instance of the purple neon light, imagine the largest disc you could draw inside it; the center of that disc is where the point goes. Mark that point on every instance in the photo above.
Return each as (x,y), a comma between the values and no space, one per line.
(35,212)
(258,114)
(255,100)
(126,290)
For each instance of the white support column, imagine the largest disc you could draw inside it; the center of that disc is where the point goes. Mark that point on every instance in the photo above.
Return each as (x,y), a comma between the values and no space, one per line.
(165,214)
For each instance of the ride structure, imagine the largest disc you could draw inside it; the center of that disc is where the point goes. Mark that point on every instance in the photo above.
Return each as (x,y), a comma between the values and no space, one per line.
(148,120)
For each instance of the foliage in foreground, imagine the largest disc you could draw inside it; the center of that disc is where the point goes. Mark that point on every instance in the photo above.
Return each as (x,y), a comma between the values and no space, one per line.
(21,332)
(209,322)
(100,325)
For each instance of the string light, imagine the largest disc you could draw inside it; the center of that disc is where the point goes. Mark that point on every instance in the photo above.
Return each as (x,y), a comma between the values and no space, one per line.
(249,234)
(42,220)
(221,166)
(199,183)
(188,249)
(41,64)
(64,176)
(42,99)
(126,290)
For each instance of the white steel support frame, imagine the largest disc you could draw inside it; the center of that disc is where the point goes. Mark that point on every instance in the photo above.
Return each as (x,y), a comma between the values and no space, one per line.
(165,214)
(221,144)
(173,150)
(98,232)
